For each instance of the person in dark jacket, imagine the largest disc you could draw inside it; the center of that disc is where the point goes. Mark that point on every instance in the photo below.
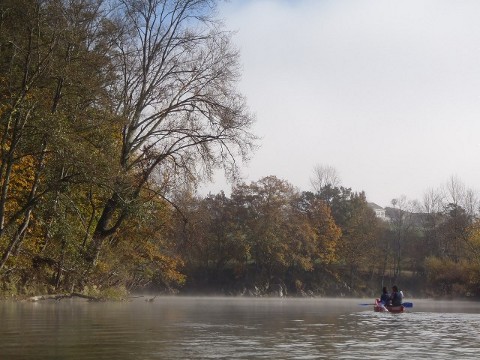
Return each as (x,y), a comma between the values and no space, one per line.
(396,297)
(385,298)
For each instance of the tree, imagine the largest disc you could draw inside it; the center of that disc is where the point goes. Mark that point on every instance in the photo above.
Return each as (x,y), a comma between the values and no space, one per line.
(454,233)
(402,225)
(338,200)
(143,254)
(357,248)
(175,93)
(323,245)
(433,215)
(324,175)
(359,233)
(215,252)
(264,208)
(457,272)
(54,115)
(459,195)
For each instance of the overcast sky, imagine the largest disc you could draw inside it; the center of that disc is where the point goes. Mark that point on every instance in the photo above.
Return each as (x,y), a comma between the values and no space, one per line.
(387,92)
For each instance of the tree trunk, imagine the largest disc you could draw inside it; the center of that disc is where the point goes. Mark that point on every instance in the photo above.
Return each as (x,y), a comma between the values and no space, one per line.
(16,239)
(104,229)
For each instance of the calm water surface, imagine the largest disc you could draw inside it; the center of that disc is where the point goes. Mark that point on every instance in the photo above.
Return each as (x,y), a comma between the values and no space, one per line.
(237,328)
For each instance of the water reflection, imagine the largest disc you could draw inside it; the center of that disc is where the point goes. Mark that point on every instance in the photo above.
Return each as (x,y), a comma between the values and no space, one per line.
(229,328)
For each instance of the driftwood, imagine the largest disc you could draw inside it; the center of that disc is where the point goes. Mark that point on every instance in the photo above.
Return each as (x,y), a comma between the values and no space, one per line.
(59,297)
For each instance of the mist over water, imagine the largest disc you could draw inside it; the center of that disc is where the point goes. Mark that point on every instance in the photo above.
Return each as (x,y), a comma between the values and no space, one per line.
(237,328)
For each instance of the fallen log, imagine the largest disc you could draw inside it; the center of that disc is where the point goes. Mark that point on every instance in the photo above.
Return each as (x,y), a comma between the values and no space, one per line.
(59,297)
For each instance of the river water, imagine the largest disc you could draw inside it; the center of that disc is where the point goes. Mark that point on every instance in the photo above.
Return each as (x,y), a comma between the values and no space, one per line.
(237,328)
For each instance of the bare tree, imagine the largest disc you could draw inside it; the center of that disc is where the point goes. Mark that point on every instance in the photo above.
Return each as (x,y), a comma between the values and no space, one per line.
(182,115)
(401,224)
(455,190)
(433,202)
(471,203)
(459,195)
(324,175)
(431,212)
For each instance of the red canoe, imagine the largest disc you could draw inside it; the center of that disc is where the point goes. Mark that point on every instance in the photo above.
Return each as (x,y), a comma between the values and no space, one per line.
(379,307)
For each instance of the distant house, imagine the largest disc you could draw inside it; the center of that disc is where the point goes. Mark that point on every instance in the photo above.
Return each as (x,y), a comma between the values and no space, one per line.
(379,211)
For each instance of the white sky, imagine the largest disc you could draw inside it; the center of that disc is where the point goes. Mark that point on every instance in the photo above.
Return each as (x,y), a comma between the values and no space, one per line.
(387,92)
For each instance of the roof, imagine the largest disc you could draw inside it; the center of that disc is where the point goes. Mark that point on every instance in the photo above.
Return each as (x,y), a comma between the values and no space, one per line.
(375,206)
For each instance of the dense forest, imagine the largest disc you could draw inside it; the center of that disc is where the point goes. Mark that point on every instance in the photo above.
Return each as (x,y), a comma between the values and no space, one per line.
(113,111)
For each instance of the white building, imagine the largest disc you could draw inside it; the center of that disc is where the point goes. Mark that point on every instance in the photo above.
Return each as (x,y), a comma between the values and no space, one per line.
(379,211)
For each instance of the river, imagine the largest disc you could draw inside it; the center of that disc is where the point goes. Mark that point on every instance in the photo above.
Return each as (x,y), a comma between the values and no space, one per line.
(237,328)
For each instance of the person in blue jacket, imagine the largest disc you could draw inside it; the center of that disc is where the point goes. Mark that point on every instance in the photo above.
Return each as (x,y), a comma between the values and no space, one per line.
(385,297)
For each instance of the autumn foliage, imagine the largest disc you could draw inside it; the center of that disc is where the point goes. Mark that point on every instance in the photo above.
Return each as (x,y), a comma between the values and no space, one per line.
(112,112)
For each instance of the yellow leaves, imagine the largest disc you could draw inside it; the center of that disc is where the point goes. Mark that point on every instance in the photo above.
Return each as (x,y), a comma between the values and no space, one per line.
(328,234)
(459,278)
(472,252)
(4,108)
(21,180)
(474,238)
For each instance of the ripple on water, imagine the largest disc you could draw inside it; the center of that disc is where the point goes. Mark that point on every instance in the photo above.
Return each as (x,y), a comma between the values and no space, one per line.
(414,335)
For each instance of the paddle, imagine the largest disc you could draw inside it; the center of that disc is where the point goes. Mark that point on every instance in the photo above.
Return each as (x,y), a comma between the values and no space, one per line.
(405,304)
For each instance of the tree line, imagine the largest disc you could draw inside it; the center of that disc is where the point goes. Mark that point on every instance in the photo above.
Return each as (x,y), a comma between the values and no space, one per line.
(112,111)
(271,238)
